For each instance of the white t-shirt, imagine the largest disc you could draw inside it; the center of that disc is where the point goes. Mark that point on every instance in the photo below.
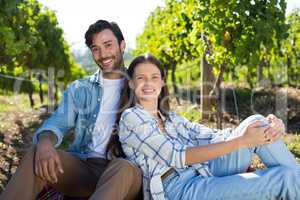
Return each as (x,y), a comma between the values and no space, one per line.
(106,117)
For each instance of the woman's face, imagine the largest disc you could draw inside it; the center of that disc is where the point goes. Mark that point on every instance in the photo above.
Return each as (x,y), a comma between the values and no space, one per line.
(146,82)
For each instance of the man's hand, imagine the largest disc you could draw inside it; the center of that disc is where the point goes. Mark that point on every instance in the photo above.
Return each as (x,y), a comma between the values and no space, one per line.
(47,161)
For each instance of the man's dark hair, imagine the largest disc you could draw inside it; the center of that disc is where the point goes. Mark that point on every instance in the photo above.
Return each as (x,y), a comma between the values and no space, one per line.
(99,26)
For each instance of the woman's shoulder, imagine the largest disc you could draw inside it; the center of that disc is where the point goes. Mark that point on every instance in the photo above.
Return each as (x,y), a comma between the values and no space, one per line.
(176,118)
(134,116)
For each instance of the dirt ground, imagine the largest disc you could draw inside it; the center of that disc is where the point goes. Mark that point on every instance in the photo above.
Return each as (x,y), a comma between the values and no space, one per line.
(18,122)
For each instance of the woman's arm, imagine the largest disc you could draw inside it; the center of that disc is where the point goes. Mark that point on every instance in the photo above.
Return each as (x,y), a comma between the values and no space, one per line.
(254,135)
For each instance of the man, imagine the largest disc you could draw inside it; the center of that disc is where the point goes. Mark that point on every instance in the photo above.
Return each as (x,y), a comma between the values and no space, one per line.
(89,106)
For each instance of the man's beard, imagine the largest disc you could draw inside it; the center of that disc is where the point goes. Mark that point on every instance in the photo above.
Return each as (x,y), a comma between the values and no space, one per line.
(117,64)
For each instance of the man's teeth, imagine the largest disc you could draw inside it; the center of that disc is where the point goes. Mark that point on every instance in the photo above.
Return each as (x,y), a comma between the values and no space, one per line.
(107,61)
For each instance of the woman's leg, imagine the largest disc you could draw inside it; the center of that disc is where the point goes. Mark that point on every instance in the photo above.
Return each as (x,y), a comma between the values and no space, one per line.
(238,161)
(269,184)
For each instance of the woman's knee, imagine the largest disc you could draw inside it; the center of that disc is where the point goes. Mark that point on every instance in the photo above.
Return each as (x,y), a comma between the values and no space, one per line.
(287,174)
(257,117)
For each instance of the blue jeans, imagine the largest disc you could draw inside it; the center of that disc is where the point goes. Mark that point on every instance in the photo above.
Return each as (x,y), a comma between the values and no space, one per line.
(281,179)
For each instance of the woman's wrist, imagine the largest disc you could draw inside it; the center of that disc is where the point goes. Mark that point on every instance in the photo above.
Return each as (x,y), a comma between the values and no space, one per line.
(240,142)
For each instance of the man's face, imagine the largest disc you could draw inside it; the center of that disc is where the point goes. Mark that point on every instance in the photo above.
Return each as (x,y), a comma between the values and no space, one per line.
(107,52)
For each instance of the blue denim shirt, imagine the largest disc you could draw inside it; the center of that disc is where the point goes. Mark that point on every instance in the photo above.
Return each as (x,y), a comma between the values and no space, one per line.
(78,109)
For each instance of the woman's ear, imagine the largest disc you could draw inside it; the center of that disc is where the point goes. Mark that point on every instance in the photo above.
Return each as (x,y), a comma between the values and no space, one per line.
(130,83)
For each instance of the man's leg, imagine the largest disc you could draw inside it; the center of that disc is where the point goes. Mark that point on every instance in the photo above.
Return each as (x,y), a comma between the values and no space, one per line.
(23,184)
(121,180)
(77,179)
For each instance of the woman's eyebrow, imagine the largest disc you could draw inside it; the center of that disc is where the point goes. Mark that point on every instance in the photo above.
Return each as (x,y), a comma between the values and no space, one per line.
(145,74)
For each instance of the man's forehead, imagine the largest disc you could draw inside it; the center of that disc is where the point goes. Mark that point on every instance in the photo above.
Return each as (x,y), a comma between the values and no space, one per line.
(104,36)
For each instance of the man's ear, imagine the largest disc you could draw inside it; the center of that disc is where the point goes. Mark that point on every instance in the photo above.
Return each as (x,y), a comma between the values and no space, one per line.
(122,46)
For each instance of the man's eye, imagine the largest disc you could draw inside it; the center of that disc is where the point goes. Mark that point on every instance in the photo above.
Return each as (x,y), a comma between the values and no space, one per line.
(95,49)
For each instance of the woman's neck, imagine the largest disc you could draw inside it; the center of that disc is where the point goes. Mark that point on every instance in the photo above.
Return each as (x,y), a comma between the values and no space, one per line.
(150,106)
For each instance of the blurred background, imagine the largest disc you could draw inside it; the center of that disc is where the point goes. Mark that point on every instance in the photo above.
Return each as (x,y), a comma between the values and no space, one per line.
(225,59)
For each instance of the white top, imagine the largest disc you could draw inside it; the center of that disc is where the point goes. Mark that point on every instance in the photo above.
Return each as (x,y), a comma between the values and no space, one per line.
(106,117)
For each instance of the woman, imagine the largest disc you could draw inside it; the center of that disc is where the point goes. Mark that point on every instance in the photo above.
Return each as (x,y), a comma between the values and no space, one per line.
(185,160)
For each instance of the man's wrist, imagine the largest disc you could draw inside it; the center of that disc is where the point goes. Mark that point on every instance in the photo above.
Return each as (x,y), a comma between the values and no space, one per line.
(47,136)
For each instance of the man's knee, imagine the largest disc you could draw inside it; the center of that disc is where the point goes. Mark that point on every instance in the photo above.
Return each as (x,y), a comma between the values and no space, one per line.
(128,169)
(28,158)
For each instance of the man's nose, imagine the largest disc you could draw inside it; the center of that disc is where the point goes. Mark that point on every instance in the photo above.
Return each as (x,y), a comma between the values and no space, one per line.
(103,54)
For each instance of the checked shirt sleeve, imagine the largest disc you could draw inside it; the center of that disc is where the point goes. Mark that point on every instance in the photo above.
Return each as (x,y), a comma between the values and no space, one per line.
(194,131)
(144,136)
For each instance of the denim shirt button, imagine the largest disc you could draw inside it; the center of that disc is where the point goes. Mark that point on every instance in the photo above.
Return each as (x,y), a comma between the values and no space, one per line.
(90,130)
(94,115)
(98,99)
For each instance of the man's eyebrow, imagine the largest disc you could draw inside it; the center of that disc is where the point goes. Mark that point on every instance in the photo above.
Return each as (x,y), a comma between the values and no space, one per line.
(106,42)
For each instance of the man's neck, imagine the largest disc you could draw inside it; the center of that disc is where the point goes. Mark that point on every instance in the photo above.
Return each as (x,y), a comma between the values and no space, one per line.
(116,74)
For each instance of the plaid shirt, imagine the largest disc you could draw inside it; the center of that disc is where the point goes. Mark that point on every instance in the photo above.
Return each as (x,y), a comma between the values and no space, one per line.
(155,152)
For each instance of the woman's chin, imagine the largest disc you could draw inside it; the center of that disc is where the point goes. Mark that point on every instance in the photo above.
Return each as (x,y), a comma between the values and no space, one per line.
(148,98)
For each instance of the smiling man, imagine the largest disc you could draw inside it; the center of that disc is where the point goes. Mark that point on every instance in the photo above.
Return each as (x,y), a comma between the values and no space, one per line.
(89,106)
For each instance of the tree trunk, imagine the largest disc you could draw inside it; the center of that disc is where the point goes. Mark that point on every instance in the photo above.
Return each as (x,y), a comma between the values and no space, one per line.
(51,88)
(260,73)
(40,79)
(217,91)
(30,90)
(206,87)
(174,81)
(289,64)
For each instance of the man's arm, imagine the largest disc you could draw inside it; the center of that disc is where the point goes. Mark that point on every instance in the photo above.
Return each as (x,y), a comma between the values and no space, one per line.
(61,120)
(47,163)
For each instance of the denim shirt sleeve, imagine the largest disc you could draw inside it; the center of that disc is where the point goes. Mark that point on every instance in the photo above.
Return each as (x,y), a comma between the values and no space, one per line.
(145,137)
(61,120)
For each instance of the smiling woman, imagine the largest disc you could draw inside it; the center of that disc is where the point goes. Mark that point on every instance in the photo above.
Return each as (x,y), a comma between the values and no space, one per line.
(185,160)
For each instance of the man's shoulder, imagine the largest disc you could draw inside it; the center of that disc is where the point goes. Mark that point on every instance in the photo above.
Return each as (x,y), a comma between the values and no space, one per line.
(83,82)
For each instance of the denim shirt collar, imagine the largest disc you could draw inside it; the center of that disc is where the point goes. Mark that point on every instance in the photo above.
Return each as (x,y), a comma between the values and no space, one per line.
(97,77)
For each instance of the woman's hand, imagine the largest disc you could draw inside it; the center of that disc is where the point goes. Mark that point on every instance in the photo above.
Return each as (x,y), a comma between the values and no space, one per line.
(255,134)
(276,128)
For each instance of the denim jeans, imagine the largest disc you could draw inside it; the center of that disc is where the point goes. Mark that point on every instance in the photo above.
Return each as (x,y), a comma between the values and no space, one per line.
(281,179)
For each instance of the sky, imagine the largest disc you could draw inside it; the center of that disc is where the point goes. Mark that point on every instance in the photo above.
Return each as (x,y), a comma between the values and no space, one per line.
(75,16)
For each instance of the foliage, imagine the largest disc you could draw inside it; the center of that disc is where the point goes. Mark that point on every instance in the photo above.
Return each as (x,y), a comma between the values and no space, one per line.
(247,36)
(31,39)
